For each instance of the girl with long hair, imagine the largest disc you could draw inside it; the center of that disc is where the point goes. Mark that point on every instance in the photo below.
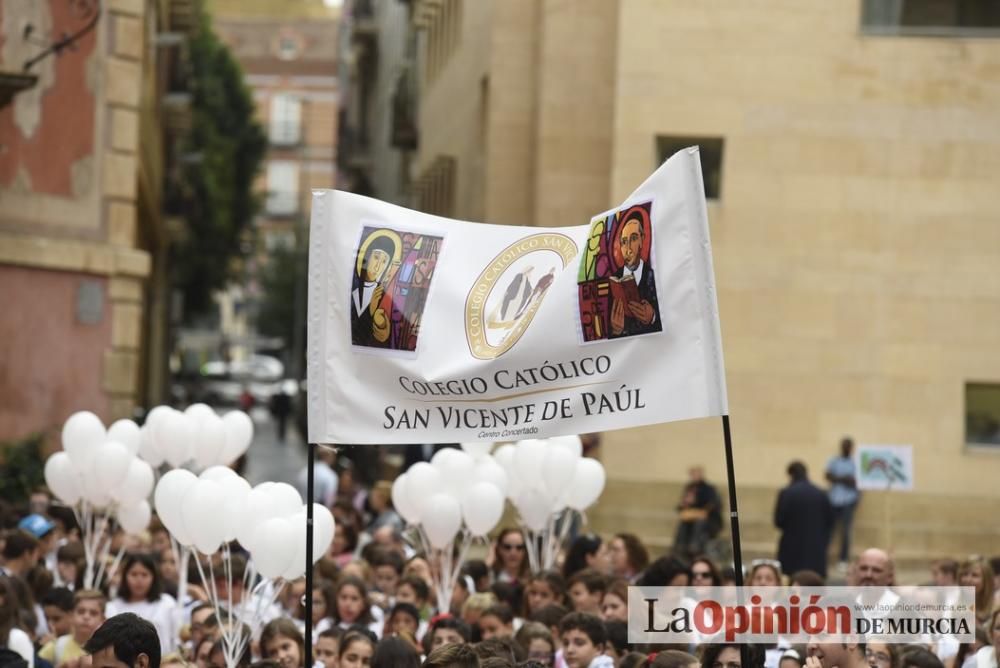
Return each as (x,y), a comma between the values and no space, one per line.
(141,593)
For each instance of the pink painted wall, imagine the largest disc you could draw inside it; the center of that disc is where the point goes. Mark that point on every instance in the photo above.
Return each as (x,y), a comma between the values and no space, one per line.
(51,365)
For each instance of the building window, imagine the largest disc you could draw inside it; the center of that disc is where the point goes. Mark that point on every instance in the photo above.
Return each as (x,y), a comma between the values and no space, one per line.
(982,414)
(710,149)
(285,120)
(282,188)
(931,17)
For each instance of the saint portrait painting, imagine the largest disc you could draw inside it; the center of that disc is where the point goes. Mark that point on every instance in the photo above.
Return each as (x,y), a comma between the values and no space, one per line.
(392,275)
(616,281)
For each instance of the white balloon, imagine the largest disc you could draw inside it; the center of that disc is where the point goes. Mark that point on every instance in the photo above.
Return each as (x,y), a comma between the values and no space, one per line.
(127,433)
(110,464)
(239,434)
(236,490)
(534,508)
(199,412)
(423,481)
(457,471)
(81,436)
(137,484)
(62,478)
(97,494)
(200,513)
(442,519)
(504,456)
(441,457)
(571,444)
(488,470)
(217,473)
(528,460)
(210,441)
(147,446)
(134,518)
(401,500)
(587,485)
(178,433)
(286,499)
(323,529)
(297,563)
(275,547)
(477,450)
(558,471)
(482,508)
(170,491)
(158,423)
(257,509)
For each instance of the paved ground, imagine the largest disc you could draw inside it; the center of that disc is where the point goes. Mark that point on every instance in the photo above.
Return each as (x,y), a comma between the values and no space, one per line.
(270,460)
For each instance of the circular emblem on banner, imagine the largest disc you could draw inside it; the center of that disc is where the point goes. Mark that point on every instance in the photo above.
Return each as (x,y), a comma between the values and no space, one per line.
(507,294)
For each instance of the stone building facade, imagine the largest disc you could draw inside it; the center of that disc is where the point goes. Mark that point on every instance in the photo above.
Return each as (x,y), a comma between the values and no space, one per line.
(851,152)
(82,315)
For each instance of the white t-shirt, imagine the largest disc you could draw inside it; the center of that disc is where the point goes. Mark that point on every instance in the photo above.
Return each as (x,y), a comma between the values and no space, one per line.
(161,614)
(18,641)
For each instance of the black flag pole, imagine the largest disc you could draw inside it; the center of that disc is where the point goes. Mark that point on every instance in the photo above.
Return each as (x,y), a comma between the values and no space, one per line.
(310,495)
(734,524)
(734,513)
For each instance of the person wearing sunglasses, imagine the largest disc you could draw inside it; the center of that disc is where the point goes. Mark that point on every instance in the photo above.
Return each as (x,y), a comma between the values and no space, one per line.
(704,573)
(510,557)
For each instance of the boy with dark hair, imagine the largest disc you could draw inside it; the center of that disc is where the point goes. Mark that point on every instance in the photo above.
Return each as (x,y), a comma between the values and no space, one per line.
(583,641)
(57,605)
(328,647)
(586,589)
(88,614)
(20,553)
(124,639)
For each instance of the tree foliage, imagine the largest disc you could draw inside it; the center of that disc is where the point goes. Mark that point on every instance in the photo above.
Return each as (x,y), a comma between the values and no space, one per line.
(216,192)
(277,307)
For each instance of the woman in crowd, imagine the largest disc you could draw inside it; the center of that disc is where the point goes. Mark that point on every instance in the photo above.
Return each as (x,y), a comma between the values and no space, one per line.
(765,573)
(446,630)
(141,592)
(704,573)
(976,572)
(510,556)
(628,555)
(587,551)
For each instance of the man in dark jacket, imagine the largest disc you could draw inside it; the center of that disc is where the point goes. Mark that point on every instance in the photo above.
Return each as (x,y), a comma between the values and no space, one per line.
(805,517)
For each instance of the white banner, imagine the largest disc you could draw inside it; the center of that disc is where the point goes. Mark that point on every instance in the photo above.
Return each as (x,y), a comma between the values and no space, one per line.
(427,330)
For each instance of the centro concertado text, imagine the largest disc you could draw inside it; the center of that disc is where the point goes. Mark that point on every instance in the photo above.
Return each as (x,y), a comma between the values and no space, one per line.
(770,614)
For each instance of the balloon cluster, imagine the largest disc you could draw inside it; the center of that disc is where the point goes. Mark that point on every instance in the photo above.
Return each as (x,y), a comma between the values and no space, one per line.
(269,520)
(100,476)
(197,436)
(460,496)
(457,497)
(551,480)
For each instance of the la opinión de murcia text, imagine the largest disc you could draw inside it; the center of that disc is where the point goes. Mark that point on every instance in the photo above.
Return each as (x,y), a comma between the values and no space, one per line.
(515,418)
